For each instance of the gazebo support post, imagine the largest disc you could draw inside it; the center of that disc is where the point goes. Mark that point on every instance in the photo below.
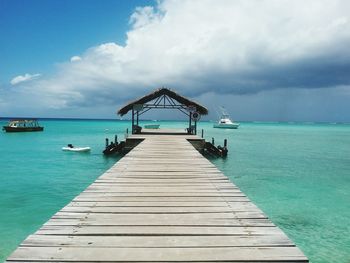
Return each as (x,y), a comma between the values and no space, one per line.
(132,121)
(190,123)
(137,118)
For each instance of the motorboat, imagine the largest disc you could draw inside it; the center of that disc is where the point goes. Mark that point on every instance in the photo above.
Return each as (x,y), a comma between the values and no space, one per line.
(23,125)
(72,148)
(225,121)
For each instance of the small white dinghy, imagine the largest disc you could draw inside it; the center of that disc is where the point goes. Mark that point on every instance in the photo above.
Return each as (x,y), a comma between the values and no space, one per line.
(71,148)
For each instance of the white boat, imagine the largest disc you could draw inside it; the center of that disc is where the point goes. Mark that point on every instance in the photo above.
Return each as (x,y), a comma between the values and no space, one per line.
(71,148)
(152,126)
(225,121)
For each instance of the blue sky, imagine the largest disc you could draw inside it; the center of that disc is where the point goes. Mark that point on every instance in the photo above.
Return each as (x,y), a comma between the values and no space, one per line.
(38,33)
(264,60)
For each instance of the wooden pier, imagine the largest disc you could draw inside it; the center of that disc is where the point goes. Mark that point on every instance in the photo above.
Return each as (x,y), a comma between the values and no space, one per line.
(162,202)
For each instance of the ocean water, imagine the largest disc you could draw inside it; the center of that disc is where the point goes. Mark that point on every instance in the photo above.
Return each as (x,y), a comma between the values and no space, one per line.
(298,174)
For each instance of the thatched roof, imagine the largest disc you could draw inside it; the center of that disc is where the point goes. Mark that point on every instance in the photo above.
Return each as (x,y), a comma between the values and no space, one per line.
(160,92)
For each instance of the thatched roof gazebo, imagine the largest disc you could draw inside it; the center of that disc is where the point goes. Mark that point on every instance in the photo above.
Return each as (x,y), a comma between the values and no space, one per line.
(164,98)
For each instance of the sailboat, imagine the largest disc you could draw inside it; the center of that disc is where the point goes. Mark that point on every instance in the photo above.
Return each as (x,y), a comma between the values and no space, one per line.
(225,121)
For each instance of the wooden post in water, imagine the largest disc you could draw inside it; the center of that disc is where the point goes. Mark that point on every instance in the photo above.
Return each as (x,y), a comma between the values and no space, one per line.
(202,133)
(107,142)
(212,141)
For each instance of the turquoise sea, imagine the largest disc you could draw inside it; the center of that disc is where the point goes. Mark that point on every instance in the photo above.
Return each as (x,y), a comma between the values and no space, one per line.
(298,174)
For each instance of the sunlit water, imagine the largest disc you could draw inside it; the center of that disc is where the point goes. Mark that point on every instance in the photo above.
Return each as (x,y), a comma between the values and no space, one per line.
(298,174)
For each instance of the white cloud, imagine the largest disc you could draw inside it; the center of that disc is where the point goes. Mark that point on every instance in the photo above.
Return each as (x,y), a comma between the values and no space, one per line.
(24,78)
(144,16)
(75,59)
(196,46)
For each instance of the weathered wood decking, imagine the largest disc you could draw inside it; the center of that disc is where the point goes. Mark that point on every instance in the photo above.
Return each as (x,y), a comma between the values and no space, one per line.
(162,202)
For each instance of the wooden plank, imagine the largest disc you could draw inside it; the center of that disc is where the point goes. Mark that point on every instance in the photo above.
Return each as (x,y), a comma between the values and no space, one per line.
(157,241)
(163,188)
(90,221)
(235,206)
(101,198)
(166,210)
(155,254)
(159,230)
(161,194)
(189,185)
(168,181)
(161,191)
(198,174)
(128,214)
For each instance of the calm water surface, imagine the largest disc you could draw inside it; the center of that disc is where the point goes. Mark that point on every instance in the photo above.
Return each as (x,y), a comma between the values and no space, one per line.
(298,174)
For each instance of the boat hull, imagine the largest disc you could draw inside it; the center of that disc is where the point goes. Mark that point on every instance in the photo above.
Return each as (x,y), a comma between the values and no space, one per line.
(227,126)
(152,126)
(76,149)
(22,129)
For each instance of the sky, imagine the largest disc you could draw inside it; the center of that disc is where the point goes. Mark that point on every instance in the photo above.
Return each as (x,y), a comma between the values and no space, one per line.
(264,60)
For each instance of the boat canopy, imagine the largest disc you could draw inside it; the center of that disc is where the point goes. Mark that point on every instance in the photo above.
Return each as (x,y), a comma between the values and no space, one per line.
(23,122)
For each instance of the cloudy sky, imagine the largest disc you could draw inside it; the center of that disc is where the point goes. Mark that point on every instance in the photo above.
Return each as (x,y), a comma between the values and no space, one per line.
(264,60)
